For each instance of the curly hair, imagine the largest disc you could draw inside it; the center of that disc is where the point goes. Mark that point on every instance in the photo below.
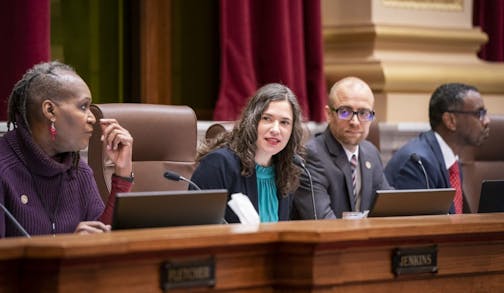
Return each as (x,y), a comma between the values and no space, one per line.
(449,96)
(242,139)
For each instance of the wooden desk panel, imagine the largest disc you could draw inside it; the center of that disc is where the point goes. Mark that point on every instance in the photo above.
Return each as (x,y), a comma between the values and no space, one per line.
(298,256)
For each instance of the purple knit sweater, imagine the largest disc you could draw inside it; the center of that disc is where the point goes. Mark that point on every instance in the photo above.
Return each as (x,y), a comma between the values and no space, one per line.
(40,191)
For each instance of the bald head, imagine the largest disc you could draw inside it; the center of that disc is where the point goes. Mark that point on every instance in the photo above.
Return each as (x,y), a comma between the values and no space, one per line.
(350,95)
(350,87)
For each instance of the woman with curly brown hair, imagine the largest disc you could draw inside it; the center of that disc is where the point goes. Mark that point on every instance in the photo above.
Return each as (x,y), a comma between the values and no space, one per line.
(256,157)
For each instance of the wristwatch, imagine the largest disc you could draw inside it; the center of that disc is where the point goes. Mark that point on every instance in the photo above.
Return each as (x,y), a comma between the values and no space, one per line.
(129,179)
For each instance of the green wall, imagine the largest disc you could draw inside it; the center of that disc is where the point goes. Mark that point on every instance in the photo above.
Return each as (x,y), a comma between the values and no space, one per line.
(100,39)
(195,55)
(88,35)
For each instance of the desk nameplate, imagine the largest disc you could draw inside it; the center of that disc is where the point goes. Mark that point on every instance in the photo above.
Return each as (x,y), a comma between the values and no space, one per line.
(184,274)
(415,260)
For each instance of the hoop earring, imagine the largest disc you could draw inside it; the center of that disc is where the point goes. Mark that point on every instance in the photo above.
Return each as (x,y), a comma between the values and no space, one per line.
(52,131)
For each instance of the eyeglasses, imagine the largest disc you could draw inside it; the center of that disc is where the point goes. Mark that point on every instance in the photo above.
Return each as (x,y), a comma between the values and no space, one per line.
(347,113)
(480,114)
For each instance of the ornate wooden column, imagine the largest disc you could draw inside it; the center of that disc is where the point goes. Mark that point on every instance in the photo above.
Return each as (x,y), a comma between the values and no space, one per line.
(155,51)
(406,48)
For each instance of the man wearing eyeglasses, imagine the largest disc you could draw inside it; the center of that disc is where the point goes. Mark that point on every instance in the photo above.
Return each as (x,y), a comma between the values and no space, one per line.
(346,169)
(458,118)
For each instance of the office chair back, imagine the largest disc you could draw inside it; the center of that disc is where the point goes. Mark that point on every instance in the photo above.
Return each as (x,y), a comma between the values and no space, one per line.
(484,162)
(164,139)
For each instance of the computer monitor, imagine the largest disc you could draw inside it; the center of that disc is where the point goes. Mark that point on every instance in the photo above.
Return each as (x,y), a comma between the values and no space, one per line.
(412,202)
(491,196)
(169,208)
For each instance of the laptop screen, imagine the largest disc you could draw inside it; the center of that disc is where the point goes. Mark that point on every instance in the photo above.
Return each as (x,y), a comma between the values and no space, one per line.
(412,202)
(169,208)
(491,196)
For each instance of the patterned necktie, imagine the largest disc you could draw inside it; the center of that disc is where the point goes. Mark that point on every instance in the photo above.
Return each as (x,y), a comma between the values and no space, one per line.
(455,183)
(353,167)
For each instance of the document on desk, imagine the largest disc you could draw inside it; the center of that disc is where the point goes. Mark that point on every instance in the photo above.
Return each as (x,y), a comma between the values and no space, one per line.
(243,208)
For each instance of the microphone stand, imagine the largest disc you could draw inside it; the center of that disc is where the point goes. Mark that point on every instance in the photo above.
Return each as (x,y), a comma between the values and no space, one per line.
(299,162)
(312,194)
(176,177)
(417,160)
(16,223)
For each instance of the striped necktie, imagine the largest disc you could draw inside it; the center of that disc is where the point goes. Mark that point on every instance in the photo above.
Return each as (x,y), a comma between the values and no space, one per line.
(353,167)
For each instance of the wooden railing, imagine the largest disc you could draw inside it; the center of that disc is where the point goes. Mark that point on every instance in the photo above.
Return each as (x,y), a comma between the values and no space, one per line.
(448,253)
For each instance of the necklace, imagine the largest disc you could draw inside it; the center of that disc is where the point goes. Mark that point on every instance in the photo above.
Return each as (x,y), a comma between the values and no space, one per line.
(46,205)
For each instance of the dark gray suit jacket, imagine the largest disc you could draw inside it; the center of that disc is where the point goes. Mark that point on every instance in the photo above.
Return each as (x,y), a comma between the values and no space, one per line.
(332,179)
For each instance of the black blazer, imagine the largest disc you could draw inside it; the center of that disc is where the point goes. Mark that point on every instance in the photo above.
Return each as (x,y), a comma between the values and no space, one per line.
(221,169)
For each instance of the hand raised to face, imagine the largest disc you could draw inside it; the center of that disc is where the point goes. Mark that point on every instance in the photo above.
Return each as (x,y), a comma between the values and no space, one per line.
(118,146)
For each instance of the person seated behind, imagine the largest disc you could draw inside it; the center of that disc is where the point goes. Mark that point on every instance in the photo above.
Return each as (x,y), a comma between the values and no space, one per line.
(255,158)
(329,157)
(458,118)
(43,183)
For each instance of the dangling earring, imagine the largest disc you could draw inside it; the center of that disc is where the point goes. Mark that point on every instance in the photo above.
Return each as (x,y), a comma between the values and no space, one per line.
(52,131)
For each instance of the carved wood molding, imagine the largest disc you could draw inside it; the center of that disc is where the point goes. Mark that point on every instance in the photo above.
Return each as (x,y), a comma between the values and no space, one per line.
(412,59)
(447,5)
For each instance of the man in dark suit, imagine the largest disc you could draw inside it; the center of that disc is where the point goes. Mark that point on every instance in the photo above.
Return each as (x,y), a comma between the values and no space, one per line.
(458,118)
(346,169)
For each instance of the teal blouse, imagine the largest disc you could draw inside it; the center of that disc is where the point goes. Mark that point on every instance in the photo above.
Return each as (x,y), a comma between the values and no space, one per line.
(267,193)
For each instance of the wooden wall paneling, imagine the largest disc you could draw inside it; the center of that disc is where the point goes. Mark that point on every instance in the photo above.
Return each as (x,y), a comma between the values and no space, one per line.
(155,61)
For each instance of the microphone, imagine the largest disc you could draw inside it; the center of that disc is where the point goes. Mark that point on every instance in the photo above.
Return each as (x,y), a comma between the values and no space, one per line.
(298,161)
(176,177)
(415,158)
(16,223)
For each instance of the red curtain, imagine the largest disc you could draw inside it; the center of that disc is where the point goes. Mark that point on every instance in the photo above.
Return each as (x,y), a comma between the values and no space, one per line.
(265,41)
(489,15)
(25,35)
